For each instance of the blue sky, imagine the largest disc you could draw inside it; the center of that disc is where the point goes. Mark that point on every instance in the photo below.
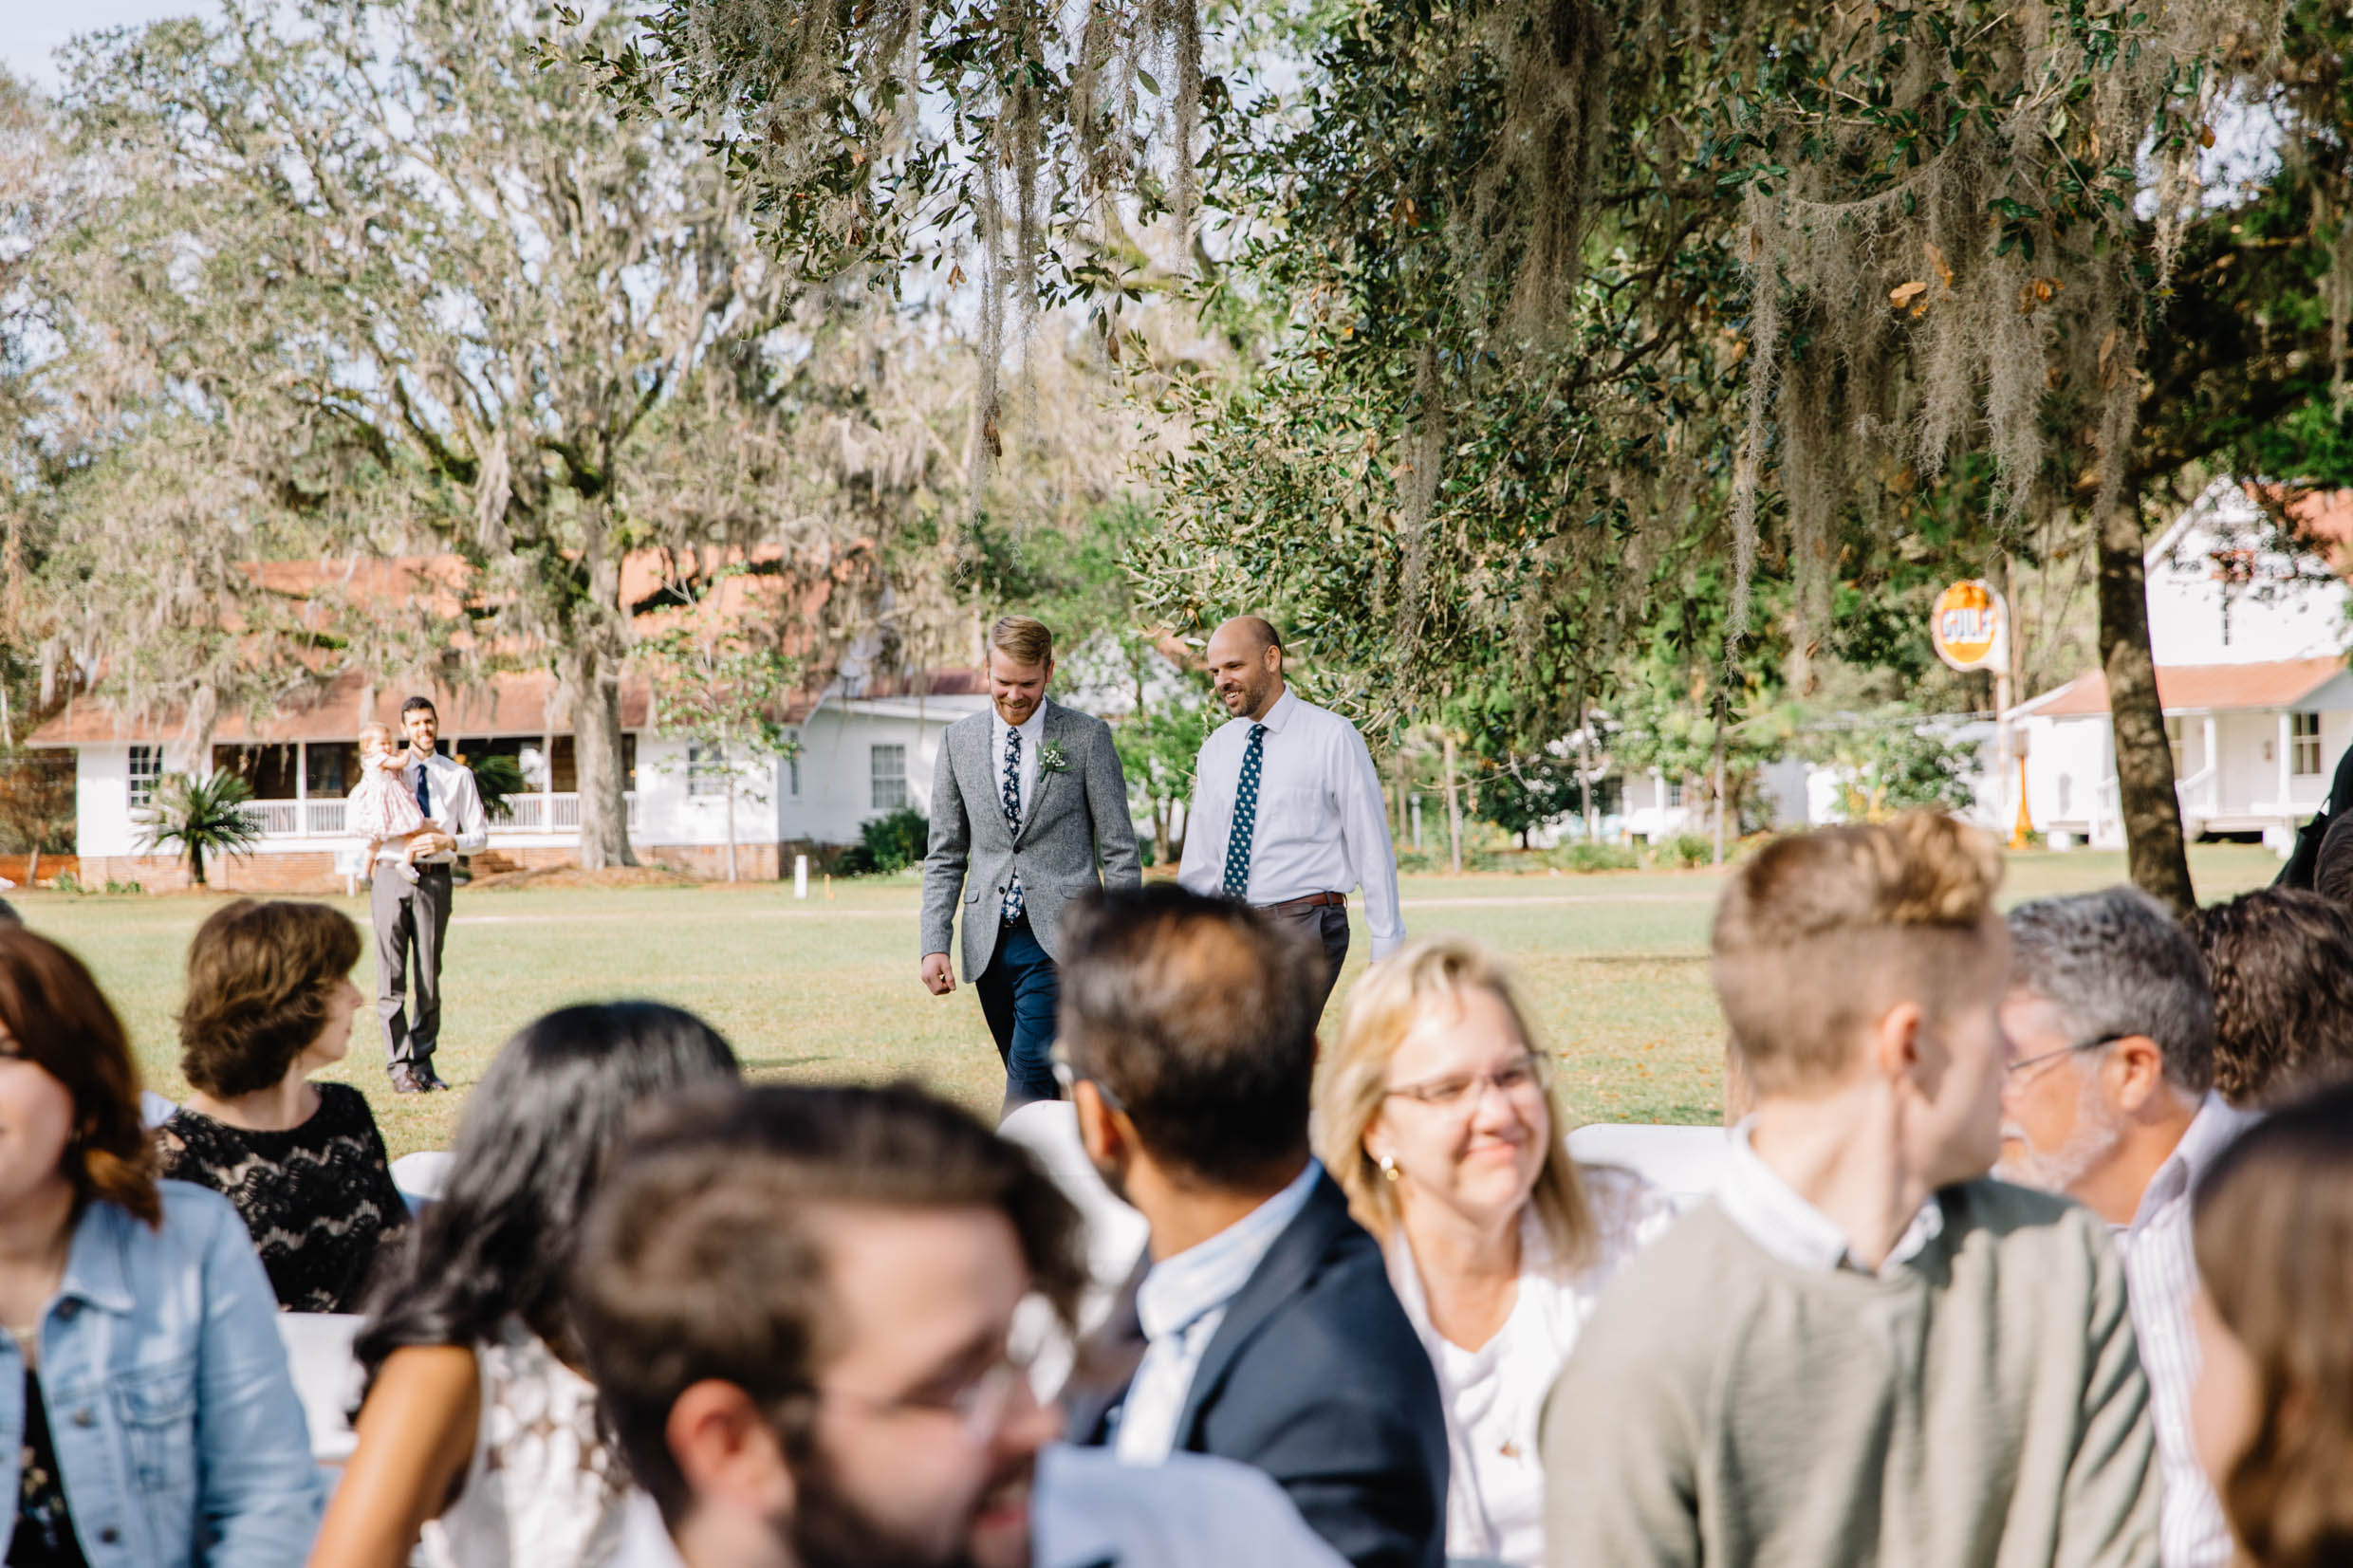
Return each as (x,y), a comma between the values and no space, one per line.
(30,30)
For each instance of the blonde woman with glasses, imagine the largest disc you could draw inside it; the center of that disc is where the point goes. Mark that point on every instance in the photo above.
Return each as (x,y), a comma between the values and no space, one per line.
(1436,1116)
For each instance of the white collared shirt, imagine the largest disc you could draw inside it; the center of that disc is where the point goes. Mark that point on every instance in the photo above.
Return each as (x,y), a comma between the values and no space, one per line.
(1769,1213)
(1320,827)
(1033,736)
(2160,1281)
(1087,1510)
(456,810)
(1180,1303)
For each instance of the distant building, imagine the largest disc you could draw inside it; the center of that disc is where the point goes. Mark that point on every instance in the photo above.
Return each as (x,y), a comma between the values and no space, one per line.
(866,745)
(2251,642)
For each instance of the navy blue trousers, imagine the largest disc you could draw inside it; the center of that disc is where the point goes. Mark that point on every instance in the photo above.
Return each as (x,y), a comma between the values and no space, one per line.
(1019,991)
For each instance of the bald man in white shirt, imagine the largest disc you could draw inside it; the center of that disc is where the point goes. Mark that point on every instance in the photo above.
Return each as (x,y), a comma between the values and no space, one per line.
(1286,809)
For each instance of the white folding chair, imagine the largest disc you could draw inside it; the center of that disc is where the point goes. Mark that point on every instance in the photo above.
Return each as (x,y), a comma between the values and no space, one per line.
(421,1176)
(1686,1163)
(326,1379)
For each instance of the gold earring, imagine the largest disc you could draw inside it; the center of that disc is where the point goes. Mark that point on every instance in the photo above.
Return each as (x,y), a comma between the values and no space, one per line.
(1388,1167)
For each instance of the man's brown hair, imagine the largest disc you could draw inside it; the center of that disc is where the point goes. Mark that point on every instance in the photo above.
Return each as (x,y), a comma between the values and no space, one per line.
(1022,640)
(1820,934)
(1196,1016)
(698,1259)
(61,1023)
(259,977)
(2273,1232)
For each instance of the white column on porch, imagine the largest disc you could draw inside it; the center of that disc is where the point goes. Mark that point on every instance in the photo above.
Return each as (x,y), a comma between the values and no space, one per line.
(2286,758)
(2210,762)
(301,788)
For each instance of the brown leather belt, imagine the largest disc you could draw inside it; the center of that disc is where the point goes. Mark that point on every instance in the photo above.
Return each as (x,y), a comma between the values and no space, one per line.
(1313,900)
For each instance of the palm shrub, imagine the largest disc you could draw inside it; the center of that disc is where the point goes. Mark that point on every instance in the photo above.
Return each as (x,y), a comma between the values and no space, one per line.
(496,777)
(202,817)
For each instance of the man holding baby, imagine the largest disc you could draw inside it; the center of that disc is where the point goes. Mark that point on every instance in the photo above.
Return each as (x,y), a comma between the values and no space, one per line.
(411,914)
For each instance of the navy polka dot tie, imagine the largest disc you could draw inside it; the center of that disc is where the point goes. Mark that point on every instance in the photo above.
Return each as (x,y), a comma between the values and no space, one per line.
(1012,814)
(1245,816)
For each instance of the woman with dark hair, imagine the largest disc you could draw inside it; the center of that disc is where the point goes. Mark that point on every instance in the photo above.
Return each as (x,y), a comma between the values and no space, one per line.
(269,1003)
(478,1434)
(2272,1409)
(2281,965)
(150,1420)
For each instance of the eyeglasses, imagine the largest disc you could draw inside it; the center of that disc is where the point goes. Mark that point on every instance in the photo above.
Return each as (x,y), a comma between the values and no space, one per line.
(2011,1069)
(1523,1080)
(1068,1077)
(980,1406)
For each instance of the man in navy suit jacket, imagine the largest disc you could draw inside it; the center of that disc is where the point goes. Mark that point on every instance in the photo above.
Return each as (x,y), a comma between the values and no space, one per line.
(1263,1328)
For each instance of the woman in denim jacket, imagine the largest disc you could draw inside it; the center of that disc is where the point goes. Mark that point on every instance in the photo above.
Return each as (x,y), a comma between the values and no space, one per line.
(146,1417)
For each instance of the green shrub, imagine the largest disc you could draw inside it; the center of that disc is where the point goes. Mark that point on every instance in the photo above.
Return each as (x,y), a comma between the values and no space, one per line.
(68,883)
(1582,856)
(1688,849)
(889,845)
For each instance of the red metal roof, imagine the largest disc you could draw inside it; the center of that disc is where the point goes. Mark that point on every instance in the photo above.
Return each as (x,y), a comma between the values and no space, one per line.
(2188,688)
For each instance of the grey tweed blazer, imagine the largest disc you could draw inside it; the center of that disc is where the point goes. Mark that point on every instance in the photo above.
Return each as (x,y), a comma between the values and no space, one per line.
(1071,814)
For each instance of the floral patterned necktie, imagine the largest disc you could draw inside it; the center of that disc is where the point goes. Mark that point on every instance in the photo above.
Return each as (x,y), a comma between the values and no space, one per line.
(1012,814)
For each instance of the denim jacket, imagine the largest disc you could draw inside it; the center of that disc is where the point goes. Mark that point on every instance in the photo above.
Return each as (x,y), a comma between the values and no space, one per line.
(178,1436)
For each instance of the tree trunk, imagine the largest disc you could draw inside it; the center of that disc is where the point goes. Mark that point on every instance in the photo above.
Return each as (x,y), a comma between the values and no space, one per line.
(1453,805)
(1585,775)
(2155,852)
(594,684)
(196,864)
(1160,830)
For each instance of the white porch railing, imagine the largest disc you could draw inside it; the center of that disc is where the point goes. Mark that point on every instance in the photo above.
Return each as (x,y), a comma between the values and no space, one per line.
(543,812)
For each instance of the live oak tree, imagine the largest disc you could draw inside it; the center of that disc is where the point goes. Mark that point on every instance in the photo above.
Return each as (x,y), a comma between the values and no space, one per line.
(403,284)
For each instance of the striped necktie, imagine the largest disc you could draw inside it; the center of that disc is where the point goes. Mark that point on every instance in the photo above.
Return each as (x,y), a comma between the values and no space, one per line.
(1245,816)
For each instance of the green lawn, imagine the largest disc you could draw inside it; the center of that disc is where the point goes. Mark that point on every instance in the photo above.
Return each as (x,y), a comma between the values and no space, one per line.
(1614,966)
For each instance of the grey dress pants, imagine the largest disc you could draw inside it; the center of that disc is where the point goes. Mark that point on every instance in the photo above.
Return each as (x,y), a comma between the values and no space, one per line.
(411,918)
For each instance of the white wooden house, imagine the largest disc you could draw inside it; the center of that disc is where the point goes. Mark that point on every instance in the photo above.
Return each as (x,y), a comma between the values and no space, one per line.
(867,744)
(2251,642)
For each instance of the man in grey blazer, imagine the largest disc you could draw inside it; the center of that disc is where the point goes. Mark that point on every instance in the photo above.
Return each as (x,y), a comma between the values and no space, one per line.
(1023,799)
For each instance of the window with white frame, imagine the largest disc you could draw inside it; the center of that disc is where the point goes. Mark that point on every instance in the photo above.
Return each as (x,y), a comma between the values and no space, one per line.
(1675,793)
(705,774)
(889,772)
(146,768)
(2304,738)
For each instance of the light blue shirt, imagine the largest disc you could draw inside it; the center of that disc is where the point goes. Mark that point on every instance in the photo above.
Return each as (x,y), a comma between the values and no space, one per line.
(1180,1304)
(1771,1214)
(178,1432)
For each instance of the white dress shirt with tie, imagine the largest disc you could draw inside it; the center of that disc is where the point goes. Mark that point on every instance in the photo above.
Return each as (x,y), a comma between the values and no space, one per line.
(454,806)
(1322,825)
(1032,731)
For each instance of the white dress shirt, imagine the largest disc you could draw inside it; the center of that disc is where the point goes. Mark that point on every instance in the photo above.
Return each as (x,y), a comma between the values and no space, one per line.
(1087,1510)
(2160,1281)
(1495,1396)
(1033,736)
(1322,825)
(1771,1212)
(1032,731)
(1179,1303)
(456,810)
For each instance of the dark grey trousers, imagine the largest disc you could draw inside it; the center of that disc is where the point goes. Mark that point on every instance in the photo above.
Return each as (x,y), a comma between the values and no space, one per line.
(411,919)
(1328,924)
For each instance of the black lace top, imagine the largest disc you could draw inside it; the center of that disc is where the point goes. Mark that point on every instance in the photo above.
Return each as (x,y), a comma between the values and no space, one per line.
(318,1198)
(44,1534)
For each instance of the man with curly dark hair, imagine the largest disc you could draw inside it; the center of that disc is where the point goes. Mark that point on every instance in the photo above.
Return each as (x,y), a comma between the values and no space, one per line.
(2281,964)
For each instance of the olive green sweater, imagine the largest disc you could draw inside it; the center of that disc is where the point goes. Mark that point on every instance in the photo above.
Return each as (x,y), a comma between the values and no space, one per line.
(1982,1404)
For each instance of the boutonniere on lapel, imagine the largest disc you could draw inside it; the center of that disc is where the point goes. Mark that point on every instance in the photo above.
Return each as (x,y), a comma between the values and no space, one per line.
(1052,758)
